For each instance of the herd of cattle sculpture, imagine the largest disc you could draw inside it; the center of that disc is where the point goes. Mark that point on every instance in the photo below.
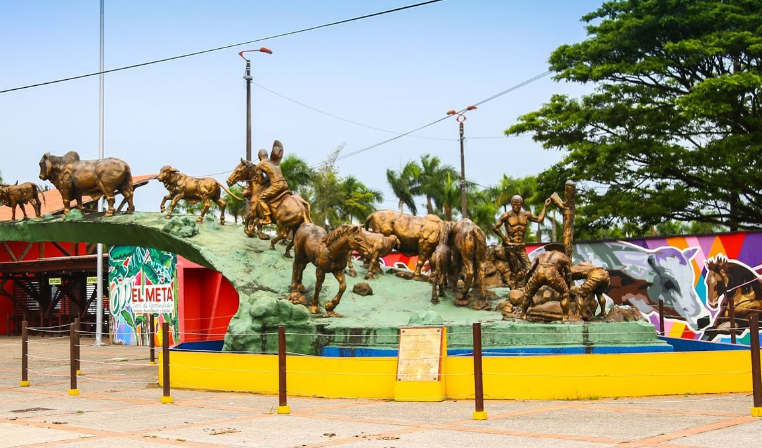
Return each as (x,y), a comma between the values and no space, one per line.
(456,250)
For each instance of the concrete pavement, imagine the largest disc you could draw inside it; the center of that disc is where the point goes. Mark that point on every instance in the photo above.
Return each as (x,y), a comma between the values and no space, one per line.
(119,405)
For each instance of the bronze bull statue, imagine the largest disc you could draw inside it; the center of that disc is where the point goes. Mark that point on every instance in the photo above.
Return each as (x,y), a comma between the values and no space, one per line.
(26,193)
(192,190)
(469,255)
(417,235)
(74,177)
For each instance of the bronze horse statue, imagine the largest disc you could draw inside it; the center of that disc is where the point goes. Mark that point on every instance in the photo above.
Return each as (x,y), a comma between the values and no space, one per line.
(289,211)
(731,280)
(328,252)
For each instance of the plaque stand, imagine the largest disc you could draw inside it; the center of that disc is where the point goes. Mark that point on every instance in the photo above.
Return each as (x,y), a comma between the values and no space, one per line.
(422,351)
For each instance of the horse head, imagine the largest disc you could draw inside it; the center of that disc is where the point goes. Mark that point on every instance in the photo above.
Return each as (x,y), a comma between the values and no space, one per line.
(716,279)
(243,171)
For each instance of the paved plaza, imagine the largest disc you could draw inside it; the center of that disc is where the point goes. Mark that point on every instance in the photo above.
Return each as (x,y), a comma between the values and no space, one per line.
(119,405)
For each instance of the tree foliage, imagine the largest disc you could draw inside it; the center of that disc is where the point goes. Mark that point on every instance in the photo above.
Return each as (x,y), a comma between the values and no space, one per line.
(672,130)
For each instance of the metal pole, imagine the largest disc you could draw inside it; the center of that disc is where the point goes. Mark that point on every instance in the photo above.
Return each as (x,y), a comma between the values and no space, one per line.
(167,397)
(99,262)
(247,77)
(283,407)
(151,337)
(73,360)
(661,316)
(77,347)
(24,353)
(463,204)
(756,375)
(479,412)
(732,308)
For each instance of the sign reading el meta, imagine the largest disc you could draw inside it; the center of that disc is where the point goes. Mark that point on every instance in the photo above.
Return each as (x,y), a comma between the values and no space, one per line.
(152,299)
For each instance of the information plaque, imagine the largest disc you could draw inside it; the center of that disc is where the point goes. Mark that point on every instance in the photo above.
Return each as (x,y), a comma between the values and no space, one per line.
(420,354)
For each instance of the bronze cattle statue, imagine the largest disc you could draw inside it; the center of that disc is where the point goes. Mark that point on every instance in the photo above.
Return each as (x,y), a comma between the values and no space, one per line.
(328,252)
(26,193)
(288,211)
(416,235)
(442,272)
(192,190)
(74,177)
(371,247)
(469,255)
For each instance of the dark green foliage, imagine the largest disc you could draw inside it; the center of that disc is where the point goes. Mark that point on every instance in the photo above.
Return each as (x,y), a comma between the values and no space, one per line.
(672,130)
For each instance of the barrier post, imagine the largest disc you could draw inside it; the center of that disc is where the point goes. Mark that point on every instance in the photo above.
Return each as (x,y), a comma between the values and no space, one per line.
(73,359)
(283,407)
(166,397)
(24,357)
(661,316)
(756,374)
(151,336)
(479,412)
(78,346)
(732,308)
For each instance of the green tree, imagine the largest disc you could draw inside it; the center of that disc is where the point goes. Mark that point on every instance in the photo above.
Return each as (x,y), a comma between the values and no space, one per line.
(448,197)
(403,184)
(235,207)
(358,201)
(326,193)
(672,130)
(296,171)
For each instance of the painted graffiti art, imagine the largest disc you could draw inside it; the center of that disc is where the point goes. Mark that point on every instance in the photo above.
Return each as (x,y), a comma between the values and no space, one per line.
(142,281)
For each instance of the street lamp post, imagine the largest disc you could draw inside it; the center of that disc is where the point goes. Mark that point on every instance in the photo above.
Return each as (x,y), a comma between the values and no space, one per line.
(461,118)
(247,77)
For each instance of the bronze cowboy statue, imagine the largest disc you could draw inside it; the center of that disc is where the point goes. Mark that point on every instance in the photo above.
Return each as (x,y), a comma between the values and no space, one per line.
(272,200)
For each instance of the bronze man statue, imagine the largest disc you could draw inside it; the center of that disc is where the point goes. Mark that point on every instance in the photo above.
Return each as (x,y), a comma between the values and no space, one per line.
(516,221)
(551,268)
(590,293)
(277,181)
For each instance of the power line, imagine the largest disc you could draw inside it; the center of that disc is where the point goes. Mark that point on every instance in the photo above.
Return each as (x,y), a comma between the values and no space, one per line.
(497,95)
(290,33)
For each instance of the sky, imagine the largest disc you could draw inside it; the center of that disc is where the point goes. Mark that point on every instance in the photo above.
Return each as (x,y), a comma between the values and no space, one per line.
(395,72)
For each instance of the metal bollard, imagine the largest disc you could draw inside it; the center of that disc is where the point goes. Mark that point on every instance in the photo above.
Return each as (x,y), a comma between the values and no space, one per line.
(479,412)
(732,308)
(283,407)
(756,374)
(151,337)
(661,316)
(167,397)
(78,345)
(24,357)
(73,390)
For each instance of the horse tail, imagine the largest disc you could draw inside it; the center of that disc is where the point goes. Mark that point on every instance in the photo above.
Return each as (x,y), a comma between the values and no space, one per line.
(367,221)
(307,210)
(228,191)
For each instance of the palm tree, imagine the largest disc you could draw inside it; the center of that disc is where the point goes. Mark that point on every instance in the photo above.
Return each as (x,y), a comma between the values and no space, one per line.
(326,193)
(482,210)
(296,171)
(358,200)
(449,196)
(403,184)
(432,178)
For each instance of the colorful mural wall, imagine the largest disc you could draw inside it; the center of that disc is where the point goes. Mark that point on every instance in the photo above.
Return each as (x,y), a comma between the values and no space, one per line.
(694,275)
(141,282)
(697,276)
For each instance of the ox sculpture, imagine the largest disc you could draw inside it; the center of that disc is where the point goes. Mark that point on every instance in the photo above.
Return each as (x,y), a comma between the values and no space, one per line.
(26,193)
(192,190)
(469,255)
(417,235)
(96,178)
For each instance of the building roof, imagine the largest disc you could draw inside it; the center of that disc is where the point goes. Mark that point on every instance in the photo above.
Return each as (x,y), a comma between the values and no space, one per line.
(53,203)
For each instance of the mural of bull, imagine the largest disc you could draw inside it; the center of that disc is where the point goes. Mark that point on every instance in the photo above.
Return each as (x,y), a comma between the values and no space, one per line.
(641,276)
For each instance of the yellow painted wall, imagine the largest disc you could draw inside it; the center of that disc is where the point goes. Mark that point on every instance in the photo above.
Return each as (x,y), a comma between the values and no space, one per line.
(528,377)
